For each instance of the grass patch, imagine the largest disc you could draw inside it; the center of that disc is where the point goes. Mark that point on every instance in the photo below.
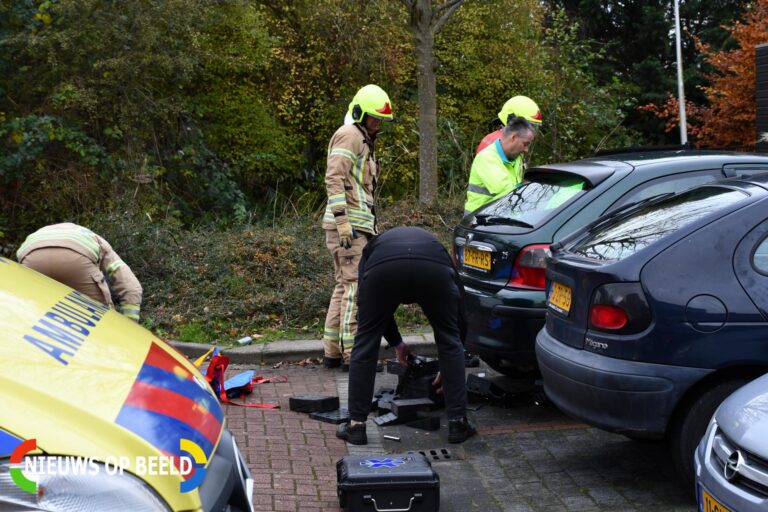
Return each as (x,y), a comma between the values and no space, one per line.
(194,332)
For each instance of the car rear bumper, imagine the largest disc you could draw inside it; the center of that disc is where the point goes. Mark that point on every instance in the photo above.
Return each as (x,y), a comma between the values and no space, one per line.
(623,396)
(500,327)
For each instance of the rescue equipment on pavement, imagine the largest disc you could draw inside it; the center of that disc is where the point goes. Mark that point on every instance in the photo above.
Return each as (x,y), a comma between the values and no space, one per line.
(240,385)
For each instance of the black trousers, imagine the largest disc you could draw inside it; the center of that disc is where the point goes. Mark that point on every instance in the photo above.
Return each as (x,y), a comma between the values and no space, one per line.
(381,290)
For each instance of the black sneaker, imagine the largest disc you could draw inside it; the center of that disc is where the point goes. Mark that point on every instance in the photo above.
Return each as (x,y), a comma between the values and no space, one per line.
(459,430)
(331,362)
(352,434)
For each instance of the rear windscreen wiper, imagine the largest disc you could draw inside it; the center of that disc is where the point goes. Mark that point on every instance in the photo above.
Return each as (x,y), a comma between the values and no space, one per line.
(496,219)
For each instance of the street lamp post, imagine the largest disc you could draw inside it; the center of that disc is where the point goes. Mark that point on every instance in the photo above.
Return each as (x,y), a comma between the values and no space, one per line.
(680,91)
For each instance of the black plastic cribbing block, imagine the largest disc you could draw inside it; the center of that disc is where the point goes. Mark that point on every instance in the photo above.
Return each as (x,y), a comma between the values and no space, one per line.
(384,399)
(337,416)
(482,387)
(417,366)
(407,409)
(421,387)
(384,408)
(394,367)
(313,403)
(387,419)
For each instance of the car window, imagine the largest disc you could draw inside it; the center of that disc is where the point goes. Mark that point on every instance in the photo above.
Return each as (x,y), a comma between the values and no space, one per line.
(744,170)
(760,257)
(620,238)
(535,200)
(673,183)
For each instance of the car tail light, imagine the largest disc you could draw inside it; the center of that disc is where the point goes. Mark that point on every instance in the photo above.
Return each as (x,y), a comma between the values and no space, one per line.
(603,316)
(620,308)
(530,268)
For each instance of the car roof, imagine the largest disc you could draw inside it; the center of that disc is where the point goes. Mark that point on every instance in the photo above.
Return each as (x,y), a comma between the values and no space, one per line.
(597,169)
(703,156)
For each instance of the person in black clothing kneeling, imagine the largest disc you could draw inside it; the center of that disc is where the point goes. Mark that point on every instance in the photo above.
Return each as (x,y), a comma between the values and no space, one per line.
(407,265)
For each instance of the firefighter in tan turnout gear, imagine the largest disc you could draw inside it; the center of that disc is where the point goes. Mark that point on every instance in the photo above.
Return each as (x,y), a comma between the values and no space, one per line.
(349,220)
(81,259)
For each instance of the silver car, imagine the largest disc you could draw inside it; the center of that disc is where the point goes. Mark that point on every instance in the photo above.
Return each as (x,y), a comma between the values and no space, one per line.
(732,458)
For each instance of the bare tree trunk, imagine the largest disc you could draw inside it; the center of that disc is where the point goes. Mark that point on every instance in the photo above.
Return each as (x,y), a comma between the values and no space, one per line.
(424,22)
(427,89)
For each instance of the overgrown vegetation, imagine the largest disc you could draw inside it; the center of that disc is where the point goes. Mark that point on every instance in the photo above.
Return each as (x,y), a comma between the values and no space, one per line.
(213,112)
(275,280)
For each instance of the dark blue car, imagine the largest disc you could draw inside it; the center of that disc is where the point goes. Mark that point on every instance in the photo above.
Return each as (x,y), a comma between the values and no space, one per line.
(659,312)
(501,248)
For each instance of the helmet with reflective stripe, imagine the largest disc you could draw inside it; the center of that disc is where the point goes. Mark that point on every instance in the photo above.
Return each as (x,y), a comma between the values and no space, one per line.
(521,106)
(371,100)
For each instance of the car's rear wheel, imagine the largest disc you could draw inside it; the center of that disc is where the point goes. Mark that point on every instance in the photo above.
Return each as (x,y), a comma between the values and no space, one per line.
(690,424)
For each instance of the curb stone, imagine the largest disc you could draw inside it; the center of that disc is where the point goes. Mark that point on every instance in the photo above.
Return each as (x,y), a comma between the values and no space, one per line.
(295,350)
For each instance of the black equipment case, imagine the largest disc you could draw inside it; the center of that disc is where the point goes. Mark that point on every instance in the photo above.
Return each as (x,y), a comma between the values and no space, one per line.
(394,482)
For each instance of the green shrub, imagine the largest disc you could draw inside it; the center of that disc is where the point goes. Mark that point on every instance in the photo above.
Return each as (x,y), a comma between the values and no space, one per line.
(274,279)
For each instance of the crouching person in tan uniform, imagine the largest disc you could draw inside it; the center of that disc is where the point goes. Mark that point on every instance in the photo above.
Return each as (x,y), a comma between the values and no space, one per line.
(349,220)
(81,259)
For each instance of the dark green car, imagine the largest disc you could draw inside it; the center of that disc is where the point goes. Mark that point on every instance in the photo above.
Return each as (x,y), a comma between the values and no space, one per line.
(501,248)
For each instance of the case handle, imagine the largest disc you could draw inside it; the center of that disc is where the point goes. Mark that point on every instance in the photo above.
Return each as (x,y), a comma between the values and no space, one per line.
(369,499)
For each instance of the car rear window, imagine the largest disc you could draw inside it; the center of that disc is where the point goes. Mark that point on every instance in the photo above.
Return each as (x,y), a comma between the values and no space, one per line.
(535,200)
(622,238)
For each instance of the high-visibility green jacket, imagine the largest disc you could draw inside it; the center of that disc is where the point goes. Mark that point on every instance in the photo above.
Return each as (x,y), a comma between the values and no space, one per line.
(492,175)
(350,179)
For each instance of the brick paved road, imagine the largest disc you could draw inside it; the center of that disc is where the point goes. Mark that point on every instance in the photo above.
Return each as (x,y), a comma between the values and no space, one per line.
(527,458)
(291,456)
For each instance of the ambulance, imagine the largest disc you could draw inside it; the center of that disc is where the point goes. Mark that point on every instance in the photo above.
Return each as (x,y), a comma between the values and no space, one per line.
(98,414)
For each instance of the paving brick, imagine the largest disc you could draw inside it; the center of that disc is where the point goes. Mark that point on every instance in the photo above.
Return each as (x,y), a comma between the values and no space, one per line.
(285,505)
(516,507)
(607,497)
(526,459)
(306,490)
(578,502)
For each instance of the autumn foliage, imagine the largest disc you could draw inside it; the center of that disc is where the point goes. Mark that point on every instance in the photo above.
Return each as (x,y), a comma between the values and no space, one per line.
(729,118)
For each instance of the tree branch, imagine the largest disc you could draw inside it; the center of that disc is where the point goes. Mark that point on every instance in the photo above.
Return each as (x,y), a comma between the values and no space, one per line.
(440,8)
(451,7)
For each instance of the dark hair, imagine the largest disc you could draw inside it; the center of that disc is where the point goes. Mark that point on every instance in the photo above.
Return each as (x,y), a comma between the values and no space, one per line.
(518,126)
